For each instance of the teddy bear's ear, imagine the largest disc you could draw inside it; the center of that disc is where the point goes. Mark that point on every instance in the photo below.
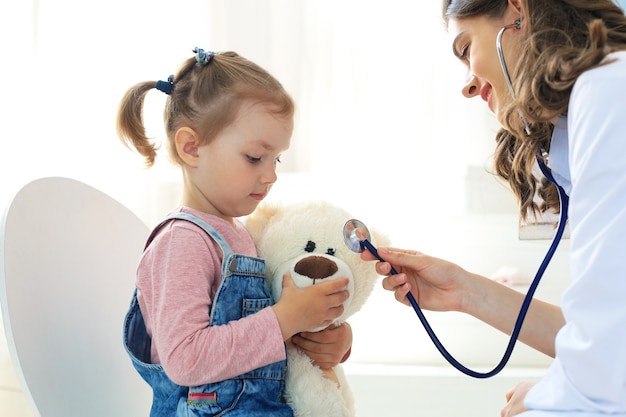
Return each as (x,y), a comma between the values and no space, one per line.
(260,218)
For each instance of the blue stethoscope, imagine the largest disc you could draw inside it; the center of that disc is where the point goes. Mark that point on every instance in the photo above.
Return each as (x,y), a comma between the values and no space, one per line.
(356,236)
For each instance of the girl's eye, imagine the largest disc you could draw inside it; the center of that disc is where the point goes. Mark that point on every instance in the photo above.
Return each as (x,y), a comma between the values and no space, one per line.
(255,160)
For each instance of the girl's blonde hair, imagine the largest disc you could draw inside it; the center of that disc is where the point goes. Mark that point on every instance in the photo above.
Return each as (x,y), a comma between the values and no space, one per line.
(565,38)
(204,96)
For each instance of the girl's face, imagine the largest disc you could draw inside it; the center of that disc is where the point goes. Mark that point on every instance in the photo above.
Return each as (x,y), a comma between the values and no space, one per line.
(474,43)
(236,170)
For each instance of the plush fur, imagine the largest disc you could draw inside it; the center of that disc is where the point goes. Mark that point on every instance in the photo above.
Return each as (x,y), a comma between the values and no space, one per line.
(306,239)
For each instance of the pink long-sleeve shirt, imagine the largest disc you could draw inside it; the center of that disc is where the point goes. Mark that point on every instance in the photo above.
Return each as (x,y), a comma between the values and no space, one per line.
(177,278)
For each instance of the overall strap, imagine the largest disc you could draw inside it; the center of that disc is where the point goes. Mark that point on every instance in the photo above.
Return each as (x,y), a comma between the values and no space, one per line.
(226,251)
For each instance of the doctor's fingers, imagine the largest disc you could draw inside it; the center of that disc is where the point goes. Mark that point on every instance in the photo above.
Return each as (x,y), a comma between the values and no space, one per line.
(399,285)
(394,282)
(368,256)
(402,257)
(515,399)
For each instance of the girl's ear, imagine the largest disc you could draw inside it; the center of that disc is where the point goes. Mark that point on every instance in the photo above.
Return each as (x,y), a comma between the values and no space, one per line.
(187,142)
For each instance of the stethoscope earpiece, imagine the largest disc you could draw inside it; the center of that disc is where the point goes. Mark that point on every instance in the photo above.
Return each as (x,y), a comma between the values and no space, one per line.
(517,25)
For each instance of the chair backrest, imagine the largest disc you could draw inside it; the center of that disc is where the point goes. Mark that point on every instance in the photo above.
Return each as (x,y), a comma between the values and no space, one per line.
(68,255)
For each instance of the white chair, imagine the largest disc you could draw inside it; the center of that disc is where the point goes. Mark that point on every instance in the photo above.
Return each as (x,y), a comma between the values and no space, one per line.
(68,255)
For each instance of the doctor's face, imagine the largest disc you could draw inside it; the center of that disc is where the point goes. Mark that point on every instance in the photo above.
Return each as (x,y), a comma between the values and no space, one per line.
(474,43)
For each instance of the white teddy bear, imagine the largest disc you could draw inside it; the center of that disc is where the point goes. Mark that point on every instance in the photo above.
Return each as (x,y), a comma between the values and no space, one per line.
(306,239)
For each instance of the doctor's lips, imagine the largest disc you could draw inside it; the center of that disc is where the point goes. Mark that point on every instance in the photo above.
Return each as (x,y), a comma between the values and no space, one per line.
(485,94)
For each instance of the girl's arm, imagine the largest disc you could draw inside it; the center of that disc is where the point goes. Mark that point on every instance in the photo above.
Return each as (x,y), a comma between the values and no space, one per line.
(176,302)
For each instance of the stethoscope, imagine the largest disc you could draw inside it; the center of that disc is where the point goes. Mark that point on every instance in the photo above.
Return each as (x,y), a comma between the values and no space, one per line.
(357,238)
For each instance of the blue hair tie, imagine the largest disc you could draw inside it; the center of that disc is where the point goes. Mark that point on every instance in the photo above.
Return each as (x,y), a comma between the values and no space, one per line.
(166,86)
(203,57)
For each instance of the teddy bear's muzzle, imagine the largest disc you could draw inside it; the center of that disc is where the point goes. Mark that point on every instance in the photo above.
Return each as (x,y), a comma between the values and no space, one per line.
(316,267)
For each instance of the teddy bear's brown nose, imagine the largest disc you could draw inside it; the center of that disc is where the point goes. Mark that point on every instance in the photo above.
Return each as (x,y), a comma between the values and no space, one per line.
(316,267)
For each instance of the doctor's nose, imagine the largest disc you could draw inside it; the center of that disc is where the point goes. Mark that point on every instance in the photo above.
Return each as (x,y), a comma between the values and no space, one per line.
(471,88)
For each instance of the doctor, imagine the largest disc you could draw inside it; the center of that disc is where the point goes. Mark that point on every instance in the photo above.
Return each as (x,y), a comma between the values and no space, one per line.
(554,74)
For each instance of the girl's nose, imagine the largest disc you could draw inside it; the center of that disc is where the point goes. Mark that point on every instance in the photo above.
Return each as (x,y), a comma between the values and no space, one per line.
(269,176)
(471,87)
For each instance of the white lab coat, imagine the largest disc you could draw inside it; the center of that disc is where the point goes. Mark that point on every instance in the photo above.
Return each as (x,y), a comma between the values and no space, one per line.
(588,158)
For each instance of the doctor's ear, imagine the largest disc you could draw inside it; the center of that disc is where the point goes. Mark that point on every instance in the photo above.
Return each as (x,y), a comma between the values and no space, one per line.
(187,142)
(515,4)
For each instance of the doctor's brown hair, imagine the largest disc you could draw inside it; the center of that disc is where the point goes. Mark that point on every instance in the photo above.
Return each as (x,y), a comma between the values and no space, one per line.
(564,39)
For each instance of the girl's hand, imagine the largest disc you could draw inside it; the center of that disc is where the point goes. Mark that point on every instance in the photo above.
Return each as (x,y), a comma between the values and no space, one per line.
(327,348)
(515,399)
(301,309)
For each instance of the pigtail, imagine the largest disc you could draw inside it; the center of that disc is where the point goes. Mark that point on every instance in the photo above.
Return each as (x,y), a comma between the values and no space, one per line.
(130,125)
(205,95)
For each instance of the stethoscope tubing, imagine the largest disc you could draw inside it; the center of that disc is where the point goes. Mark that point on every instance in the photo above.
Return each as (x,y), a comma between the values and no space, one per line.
(563,199)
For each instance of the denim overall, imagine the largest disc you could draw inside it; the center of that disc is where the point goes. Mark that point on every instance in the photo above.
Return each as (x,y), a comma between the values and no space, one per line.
(243,291)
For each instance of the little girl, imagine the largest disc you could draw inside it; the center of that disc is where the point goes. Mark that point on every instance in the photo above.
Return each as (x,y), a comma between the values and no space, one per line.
(202,328)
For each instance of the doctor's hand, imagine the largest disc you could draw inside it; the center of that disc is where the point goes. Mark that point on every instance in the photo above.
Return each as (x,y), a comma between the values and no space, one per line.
(515,399)
(436,284)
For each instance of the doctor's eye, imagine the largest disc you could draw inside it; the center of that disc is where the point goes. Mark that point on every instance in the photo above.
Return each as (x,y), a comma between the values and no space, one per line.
(330,251)
(310,246)
(464,54)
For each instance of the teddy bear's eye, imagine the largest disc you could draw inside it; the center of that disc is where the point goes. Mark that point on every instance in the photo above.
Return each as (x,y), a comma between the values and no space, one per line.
(330,251)
(310,246)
